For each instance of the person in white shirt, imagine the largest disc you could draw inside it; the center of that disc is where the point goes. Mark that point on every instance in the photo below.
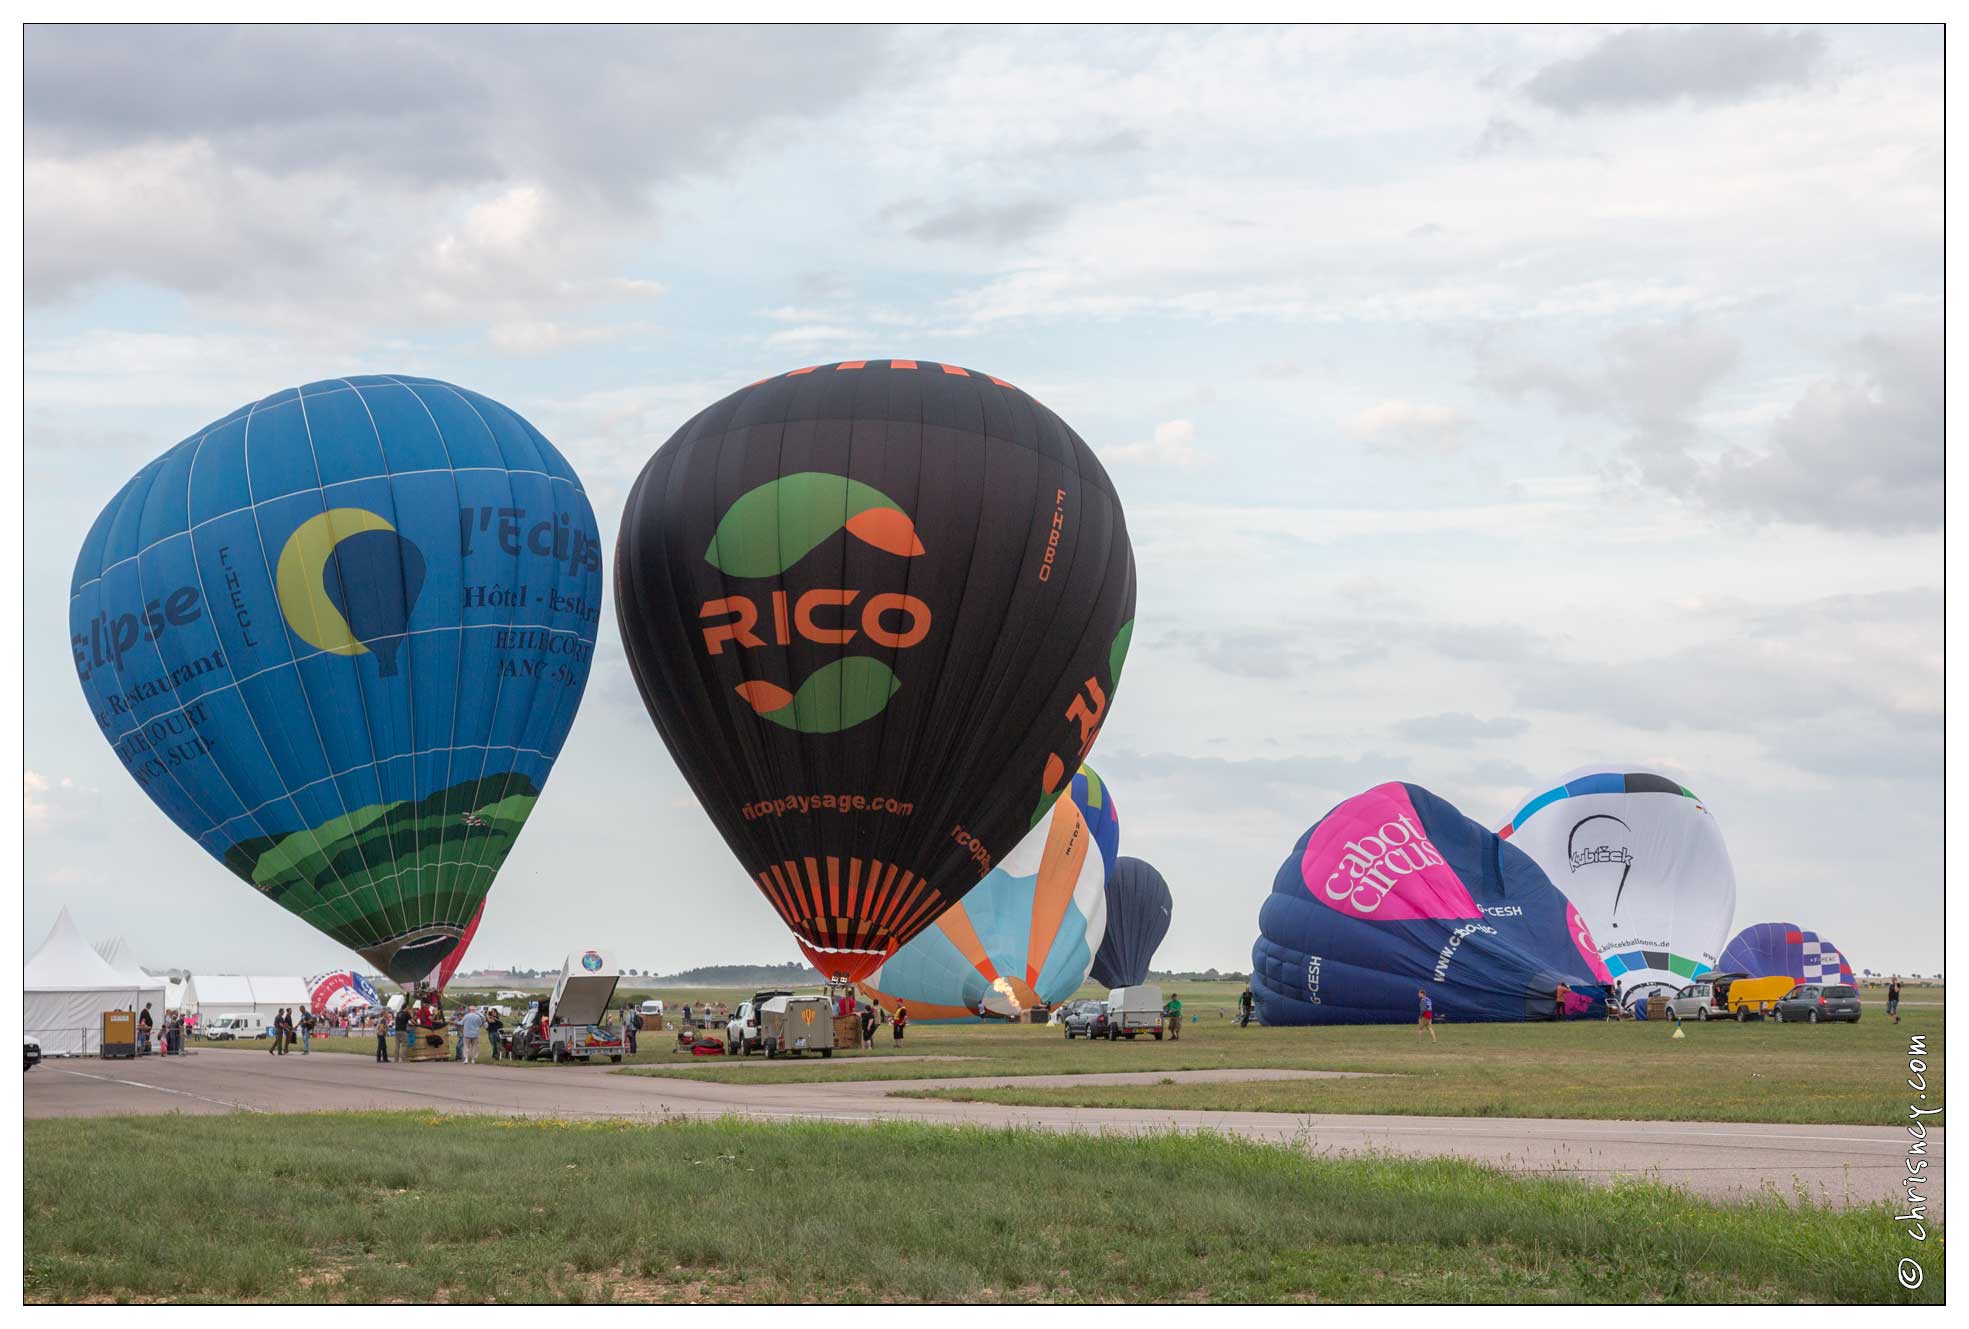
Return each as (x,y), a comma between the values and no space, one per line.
(468,1032)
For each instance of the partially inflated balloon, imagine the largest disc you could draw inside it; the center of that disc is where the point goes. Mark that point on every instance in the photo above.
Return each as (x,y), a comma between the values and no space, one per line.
(1770,950)
(1095,798)
(1139,905)
(1023,939)
(877,611)
(339,637)
(1395,892)
(341,992)
(1645,862)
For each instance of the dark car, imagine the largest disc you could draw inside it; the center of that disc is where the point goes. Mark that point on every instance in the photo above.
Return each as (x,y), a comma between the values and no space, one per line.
(1818,1003)
(33,1052)
(1085,1019)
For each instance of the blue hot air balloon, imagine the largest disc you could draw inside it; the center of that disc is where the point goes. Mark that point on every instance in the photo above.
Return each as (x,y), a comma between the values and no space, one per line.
(1138,919)
(1768,950)
(1095,799)
(339,637)
(1395,892)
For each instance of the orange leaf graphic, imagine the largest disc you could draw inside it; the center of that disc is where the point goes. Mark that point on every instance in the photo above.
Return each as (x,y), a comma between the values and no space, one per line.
(888,530)
(764,697)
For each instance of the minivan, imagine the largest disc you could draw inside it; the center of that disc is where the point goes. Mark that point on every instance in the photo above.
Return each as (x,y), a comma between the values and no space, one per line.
(1819,1003)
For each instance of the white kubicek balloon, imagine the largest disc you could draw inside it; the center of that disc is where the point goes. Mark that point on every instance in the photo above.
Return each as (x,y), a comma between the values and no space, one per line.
(1644,862)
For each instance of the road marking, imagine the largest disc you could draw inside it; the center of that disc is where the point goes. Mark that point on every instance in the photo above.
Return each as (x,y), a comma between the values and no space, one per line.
(182,1093)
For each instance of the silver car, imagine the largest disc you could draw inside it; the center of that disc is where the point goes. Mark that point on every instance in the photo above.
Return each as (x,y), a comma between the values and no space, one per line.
(1085,1019)
(1697,1001)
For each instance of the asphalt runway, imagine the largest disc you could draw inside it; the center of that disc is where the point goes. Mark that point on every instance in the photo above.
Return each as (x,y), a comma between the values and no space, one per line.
(1837,1164)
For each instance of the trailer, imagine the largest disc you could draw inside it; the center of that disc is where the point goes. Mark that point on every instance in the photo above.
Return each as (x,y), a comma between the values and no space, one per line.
(1134,1010)
(791,1025)
(568,1026)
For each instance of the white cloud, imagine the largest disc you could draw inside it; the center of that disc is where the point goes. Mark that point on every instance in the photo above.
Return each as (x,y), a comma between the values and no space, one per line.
(52,803)
(812,334)
(1172,444)
(1412,427)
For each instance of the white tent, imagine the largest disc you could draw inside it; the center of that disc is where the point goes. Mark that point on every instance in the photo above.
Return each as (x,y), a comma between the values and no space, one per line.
(117,954)
(67,986)
(213,995)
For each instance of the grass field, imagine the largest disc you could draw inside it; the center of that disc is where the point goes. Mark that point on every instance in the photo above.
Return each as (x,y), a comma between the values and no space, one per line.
(410,1208)
(1631,1071)
(1846,1074)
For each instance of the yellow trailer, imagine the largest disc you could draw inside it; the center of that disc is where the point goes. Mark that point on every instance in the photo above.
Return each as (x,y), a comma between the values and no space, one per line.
(1757,997)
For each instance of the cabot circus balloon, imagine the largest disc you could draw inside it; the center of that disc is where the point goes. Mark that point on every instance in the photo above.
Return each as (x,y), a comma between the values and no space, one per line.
(1770,950)
(1138,919)
(878,611)
(1644,861)
(1022,939)
(339,637)
(340,992)
(1395,891)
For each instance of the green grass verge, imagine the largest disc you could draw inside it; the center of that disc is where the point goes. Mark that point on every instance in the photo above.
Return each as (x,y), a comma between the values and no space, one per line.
(403,1207)
(1844,1074)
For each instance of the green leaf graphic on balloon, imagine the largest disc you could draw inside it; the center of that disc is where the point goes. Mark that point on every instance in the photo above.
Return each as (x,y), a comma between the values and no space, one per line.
(834,697)
(1118,651)
(771,528)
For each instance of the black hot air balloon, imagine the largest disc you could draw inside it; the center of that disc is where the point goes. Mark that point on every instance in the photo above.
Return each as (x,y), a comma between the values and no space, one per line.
(878,611)
(1138,920)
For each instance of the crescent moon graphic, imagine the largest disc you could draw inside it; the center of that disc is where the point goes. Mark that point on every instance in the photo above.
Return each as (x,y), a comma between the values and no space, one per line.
(297,580)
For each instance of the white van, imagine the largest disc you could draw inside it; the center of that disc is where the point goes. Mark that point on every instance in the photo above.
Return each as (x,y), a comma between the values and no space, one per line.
(653,1006)
(223,1027)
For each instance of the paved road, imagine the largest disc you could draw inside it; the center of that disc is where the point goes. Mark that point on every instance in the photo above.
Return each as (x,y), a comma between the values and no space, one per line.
(1841,1164)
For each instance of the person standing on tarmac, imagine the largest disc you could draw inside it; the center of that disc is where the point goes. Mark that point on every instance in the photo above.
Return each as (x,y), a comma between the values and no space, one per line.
(403,1030)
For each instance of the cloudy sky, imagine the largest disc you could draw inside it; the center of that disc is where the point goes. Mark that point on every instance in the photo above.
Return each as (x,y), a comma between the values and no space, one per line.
(1486,403)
